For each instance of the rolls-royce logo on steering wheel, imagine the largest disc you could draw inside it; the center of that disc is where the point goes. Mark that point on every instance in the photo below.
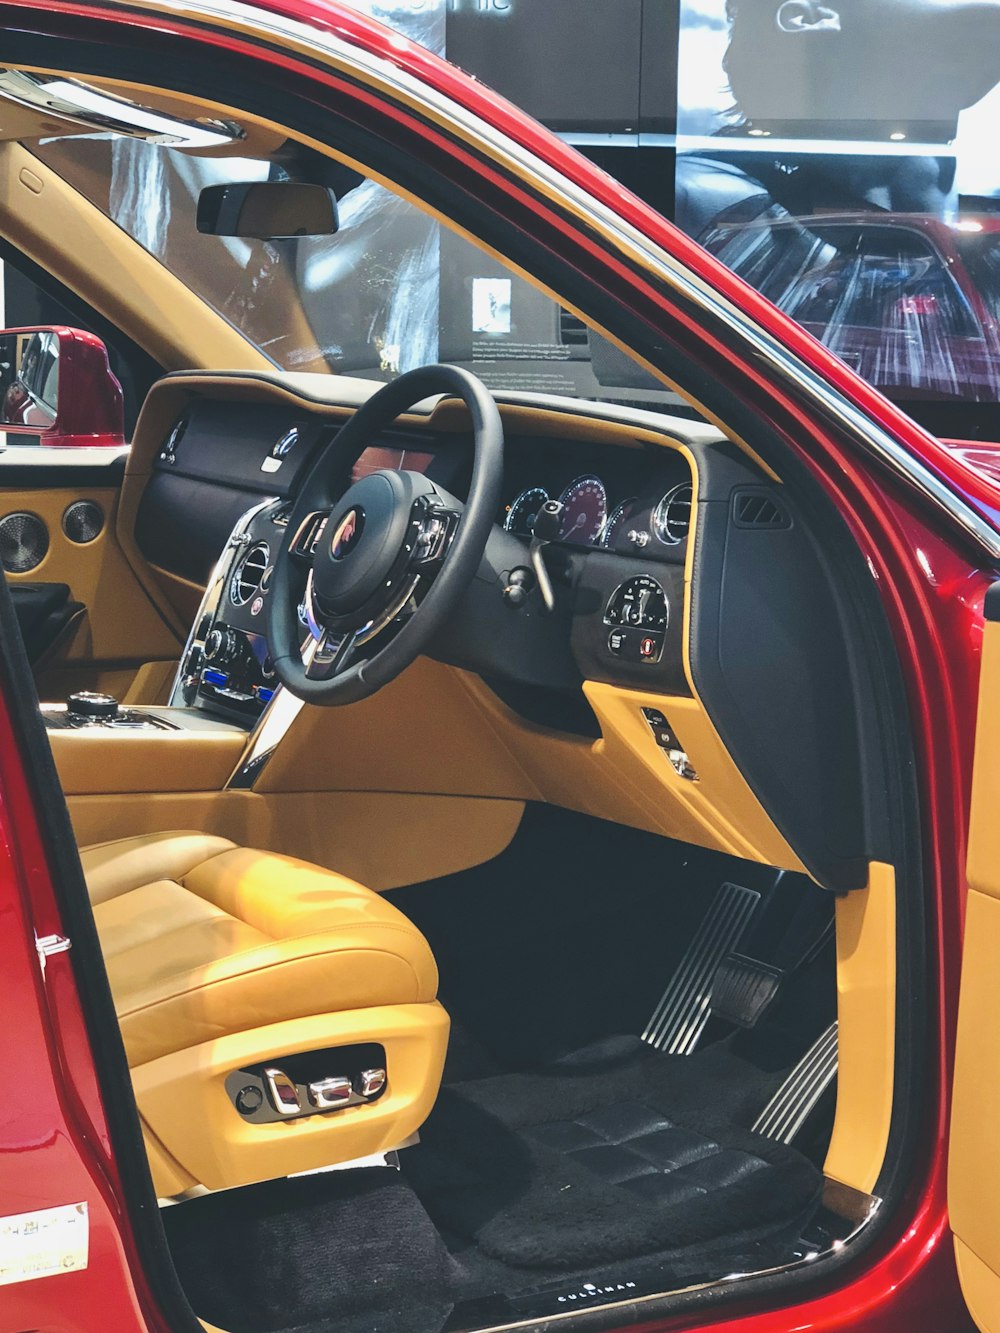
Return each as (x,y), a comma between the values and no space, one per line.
(348,534)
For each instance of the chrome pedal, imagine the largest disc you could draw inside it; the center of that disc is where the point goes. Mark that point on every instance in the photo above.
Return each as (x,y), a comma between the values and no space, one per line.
(791,1106)
(684,1008)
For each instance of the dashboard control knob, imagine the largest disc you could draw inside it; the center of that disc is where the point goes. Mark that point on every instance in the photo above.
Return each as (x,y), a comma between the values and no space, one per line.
(222,647)
(88,703)
(519,583)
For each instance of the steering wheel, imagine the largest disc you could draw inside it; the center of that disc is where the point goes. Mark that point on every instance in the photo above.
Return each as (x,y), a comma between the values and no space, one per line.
(385,562)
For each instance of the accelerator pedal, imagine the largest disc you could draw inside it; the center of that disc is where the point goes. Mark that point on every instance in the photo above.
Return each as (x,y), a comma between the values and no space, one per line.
(684,1008)
(798,1096)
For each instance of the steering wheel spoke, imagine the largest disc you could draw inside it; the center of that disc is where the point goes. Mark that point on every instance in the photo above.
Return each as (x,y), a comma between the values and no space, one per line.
(331,653)
(307,535)
(386,561)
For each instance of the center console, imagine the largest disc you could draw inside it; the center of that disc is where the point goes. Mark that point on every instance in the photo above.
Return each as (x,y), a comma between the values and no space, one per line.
(225,669)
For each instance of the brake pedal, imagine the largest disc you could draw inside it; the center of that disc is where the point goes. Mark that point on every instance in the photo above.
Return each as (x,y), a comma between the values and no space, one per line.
(743,989)
(685,1006)
(798,1096)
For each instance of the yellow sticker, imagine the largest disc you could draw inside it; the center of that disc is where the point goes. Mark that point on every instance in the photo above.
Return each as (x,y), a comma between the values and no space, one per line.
(43,1243)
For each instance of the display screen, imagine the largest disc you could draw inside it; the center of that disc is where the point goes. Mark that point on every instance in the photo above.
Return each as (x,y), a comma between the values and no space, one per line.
(377,459)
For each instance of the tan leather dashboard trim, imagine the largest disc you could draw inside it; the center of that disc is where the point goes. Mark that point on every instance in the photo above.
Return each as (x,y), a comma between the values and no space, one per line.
(112,761)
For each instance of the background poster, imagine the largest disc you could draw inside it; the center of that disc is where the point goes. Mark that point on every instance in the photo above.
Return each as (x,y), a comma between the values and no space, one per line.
(835,155)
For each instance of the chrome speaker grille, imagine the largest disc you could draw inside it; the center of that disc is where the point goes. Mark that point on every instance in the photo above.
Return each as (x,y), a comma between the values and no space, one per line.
(247,576)
(83,521)
(672,516)
(24,542)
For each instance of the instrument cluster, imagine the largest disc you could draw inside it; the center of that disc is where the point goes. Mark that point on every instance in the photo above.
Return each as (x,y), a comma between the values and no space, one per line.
(635,522)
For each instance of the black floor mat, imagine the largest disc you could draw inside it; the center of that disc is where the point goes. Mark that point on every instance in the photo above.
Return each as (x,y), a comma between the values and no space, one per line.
(354,1247)
(621,1153)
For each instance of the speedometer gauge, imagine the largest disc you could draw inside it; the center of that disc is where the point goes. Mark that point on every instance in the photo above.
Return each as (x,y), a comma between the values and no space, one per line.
(617,520)
(586,504)
(521,514)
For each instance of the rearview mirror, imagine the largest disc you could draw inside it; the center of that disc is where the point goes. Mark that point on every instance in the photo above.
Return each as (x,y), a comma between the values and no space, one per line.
(267,210)
(56,383)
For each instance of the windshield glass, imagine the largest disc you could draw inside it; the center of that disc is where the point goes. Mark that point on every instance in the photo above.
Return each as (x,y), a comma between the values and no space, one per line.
(391,290)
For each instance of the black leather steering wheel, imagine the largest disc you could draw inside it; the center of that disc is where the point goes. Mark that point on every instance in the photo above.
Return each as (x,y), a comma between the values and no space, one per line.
(386,561)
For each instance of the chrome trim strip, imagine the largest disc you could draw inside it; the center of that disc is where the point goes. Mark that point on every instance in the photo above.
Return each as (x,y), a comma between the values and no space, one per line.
(621,235)
(95,109)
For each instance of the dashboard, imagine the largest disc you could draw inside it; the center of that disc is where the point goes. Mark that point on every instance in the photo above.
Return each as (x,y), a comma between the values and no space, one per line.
(224,477)
(748,630)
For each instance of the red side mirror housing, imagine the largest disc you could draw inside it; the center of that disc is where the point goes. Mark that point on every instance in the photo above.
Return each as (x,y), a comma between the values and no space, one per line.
(56,382)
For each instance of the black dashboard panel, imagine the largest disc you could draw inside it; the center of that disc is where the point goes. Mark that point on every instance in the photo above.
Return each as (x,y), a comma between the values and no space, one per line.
(619,589)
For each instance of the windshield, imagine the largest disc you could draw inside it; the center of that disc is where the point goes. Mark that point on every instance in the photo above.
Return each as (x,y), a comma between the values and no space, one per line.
(391,290)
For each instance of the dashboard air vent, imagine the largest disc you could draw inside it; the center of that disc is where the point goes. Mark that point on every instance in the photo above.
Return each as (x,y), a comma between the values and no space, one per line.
(83,521)
(672,516)
(24,542)
(248,574)
(755,509)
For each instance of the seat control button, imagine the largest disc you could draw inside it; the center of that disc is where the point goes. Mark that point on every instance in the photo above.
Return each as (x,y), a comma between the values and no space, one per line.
(329,1093)
(371,1082)
(281,1090)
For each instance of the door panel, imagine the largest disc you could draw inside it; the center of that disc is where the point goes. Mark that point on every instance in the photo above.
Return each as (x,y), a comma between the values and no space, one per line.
(116,630)
(974,1161)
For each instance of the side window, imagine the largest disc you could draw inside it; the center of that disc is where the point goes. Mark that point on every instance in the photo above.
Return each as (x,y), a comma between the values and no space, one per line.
(29,297)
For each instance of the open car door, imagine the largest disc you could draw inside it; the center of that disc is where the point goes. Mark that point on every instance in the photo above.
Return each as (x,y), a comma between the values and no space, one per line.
(974,1162)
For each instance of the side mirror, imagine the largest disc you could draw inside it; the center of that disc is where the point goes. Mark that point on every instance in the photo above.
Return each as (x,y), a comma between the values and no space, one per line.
(267,210)
(57,383)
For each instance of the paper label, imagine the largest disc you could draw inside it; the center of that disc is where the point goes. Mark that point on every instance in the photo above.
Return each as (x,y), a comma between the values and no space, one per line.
(40,1244)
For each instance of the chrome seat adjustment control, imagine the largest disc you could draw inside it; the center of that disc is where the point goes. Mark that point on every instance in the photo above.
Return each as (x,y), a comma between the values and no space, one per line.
(370,1082)
(281,1090)
(326,1094)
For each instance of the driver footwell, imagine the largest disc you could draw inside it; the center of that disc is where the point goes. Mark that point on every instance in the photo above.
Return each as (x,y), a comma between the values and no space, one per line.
(618,1172)
(555,1174)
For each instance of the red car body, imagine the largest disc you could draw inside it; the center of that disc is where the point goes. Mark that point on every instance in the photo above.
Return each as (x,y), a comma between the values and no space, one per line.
(57,1123)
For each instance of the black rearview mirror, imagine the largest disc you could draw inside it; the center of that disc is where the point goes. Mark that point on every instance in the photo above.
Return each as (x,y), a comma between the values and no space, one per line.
(267,210)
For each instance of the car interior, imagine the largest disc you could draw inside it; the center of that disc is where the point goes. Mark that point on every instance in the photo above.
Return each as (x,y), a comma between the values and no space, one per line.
(481,772)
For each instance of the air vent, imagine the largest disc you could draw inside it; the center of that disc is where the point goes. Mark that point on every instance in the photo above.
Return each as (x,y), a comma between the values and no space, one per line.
(24,542)
(572,330)
(248,574)
(757,509)
(83,521)
(672,516)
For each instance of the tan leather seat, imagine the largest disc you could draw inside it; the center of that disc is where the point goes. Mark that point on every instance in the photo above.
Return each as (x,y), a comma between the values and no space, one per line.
(220,958)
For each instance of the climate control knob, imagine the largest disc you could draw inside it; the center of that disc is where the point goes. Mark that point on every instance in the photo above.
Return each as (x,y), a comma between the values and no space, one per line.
(222,647)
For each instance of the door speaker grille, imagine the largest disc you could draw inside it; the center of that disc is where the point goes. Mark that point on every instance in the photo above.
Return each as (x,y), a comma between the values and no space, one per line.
(83,521)
(24,542)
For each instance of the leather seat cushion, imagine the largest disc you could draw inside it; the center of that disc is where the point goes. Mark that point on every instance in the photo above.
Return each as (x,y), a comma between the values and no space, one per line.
(203,939)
